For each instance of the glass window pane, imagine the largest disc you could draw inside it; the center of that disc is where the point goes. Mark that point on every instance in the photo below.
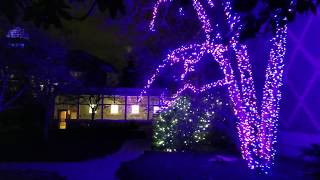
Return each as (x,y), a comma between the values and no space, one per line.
(66,99)
(114,100)
(86,112)
(97,115)
(140,113)
(90,99)
(144,100)
(120,99)
(154,110)
(113,116)
(114,109)
(70,108)
(132,100)
(73,115)
(108,100)
(154,100)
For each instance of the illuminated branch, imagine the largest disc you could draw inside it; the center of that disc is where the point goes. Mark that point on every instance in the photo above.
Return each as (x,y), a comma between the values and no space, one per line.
(257,132)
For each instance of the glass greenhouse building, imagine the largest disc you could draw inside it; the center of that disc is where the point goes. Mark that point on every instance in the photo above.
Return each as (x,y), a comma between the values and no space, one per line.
(113,105)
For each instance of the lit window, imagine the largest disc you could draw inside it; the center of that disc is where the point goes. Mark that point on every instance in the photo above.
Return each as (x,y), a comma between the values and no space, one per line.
(114,109)
(92,106)
(63,125)
(41,87)
(135,109)
(156,109)
(73,115)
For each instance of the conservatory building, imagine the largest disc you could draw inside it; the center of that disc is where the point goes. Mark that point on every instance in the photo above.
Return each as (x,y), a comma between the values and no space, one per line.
(113,105)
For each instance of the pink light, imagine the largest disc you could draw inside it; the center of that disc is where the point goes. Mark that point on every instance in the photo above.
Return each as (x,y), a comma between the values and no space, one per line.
(257,131)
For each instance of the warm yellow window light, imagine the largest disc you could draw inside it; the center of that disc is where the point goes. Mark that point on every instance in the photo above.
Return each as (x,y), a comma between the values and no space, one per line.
(92,106)
(114,109)
(73,115)
(135,109)
(63,125)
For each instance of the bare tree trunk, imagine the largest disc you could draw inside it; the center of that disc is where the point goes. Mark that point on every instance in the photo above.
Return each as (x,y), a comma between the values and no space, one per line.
(93,114)
(48,118)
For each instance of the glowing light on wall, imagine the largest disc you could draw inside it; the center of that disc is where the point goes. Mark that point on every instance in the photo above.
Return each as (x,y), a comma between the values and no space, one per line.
(114,109)
(92,106)
(135,109)
(156,109)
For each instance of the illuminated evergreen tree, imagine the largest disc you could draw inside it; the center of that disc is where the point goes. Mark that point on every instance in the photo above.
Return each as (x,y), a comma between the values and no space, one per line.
(190,120)
(166,125)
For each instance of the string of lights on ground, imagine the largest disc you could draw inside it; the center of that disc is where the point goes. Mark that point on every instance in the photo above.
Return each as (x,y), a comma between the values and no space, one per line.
(257,127)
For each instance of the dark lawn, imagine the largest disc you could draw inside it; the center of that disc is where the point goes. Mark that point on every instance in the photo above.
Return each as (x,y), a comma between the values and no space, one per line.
(64,145)
(196,166)
(29,175)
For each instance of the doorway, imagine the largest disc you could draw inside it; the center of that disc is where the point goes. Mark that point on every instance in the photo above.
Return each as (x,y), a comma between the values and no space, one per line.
(62,119)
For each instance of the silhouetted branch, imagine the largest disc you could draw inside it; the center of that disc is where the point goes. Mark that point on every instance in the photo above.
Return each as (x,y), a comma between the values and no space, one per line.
(89,12)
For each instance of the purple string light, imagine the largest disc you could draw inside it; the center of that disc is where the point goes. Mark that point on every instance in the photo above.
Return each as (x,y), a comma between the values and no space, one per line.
(257,133)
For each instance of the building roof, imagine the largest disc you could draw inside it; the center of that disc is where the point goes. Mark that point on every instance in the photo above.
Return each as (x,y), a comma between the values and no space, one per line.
(79,60)
(115,91)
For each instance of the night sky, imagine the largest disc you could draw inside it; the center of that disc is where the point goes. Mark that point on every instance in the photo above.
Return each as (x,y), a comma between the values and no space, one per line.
(109,39)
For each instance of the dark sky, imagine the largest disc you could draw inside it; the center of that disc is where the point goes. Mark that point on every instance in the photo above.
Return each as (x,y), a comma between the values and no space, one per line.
(114,40)
(106,38)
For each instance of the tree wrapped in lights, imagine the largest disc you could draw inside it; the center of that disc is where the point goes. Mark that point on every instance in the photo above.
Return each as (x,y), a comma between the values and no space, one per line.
(257,126)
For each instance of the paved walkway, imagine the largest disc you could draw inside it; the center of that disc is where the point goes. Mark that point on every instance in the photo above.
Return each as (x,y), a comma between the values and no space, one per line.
(103,168)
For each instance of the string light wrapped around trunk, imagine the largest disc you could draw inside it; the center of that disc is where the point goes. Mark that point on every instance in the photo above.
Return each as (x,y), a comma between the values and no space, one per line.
(257,126)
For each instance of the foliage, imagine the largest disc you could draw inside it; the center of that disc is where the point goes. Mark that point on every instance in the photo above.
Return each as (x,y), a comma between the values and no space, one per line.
(10,91)
(44,13)
(93,102)
(256,15)
(166,131)
(40,70)
(189,122)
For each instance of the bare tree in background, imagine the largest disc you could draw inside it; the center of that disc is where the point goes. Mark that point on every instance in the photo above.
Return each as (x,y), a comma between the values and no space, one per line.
(93,102)
(9,90)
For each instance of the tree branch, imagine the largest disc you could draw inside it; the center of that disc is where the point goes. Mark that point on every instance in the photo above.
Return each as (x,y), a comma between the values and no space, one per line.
(89,12)
(7,104)
(4,84)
